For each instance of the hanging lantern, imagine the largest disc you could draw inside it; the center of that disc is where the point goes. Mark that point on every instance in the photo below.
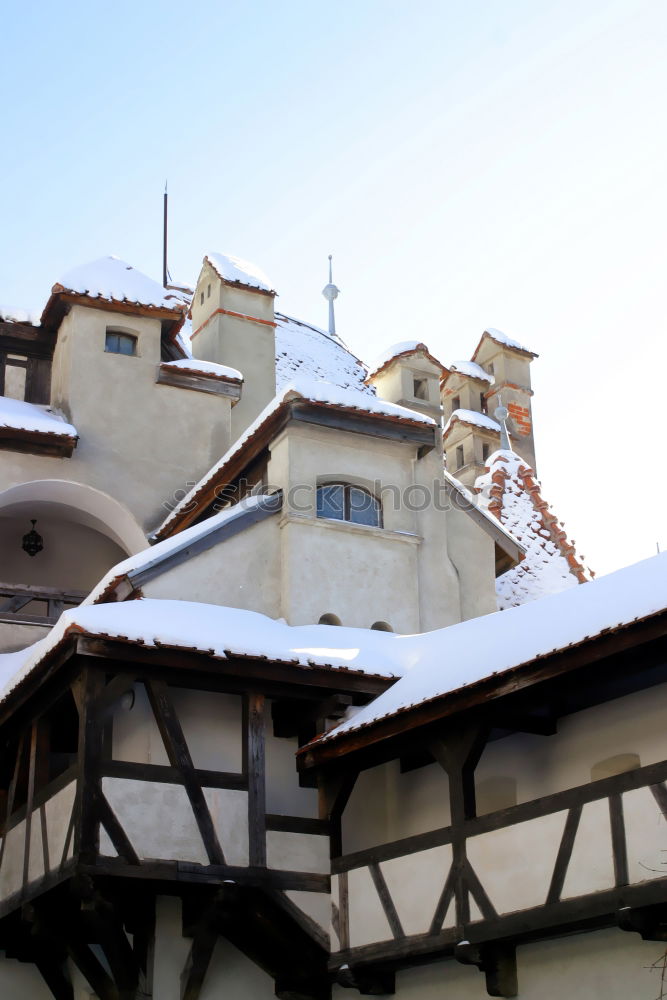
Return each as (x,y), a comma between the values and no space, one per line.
(32,541)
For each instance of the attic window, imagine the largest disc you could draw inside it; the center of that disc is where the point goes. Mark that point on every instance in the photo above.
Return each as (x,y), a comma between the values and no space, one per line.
(201,298)
(343,502)
(420,388)
(120,343)
(485,452)
(208,292)
(456,403)
(459,457)
(483,405)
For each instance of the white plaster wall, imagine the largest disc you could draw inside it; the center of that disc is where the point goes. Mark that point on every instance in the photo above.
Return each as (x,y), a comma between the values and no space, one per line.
(365,821)
(546,764)
(254,583)
(16,637)
(11,872)
(211,725)
(297,852)
(415,883)
(283,793)
(157,818)
(229,812)
(417,801)
(22,981)
(135,735)
(58,814)
(646,836)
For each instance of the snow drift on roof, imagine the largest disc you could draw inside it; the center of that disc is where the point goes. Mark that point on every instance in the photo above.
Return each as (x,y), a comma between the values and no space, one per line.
(218,631)
(437,663)
(239,271)
(204,368)
(305,350)
(472,417)
(395,351)
(112,280)
(470,369)
(22,416)
(502,338)
(514,498)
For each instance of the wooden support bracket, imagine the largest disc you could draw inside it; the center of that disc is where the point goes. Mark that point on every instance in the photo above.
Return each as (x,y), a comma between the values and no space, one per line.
(649,921)
(369,982)
(496,961)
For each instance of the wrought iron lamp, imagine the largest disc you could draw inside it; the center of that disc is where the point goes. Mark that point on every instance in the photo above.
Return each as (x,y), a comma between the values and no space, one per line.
(32,541)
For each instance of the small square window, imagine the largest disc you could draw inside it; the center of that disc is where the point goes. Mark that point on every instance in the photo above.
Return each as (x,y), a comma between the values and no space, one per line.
(485,452)
(420,388)
(456,403)
(120,343)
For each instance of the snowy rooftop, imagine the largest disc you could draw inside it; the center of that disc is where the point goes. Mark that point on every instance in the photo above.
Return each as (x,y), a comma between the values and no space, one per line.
(472,417)
(112,280)
(437,663)
(197,367)
(399,350)
(239,271)
(22,416)
(11,315)
(218,631)
(305,350)
(502,338)
(312,391)
(470,369)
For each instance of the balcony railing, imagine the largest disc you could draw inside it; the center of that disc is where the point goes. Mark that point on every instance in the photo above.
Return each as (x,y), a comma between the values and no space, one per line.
(24,604)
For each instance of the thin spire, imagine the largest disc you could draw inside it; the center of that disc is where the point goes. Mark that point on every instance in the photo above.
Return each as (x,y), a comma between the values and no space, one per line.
(330,292)
(501,413)
(165,273)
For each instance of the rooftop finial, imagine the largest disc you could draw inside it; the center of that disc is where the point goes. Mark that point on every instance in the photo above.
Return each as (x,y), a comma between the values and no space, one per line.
(501,413)
(330,292)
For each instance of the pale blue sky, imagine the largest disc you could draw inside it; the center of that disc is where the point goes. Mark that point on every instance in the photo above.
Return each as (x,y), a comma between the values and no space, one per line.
(468,164)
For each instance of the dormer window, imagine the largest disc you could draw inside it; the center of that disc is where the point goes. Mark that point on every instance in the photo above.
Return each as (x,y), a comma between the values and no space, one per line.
(420,388)
(120,343)
(344,502)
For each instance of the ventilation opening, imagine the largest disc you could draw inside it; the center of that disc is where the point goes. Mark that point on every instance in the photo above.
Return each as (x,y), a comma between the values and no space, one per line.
(330,619)
(459,457)
(382,627)
(420,388)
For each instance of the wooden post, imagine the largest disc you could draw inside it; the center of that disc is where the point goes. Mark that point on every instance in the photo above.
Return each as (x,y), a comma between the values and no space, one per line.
(255,767)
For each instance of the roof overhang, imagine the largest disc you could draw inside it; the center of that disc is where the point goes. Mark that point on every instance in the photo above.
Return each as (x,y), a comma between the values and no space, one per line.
(37,442)
(508,550)
(522,351)
(61,301)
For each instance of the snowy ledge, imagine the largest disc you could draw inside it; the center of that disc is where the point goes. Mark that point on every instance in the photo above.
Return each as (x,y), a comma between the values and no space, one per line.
(471,417)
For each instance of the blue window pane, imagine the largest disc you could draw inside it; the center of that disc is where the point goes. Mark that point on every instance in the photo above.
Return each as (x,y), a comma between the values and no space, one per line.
(119,343)
(331,502)
(364,509)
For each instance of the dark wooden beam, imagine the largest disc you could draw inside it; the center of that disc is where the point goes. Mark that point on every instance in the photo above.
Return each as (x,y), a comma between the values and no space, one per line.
(496,961)
(255,767)
(198,960)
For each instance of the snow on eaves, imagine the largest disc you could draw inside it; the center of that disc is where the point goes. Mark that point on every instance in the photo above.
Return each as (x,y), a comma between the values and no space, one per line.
(29,316)
(470,369)
(304,350)
(394,351)
(437,663)
(502,338)
(205,368)
(218,631)
(472,417)
(310,390)
(18,415)
(112,280)
(238,271)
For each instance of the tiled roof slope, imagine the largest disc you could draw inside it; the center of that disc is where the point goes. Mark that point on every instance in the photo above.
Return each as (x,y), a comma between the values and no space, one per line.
(551,563)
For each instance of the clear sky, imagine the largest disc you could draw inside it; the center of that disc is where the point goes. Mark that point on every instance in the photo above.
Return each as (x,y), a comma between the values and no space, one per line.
(468,164)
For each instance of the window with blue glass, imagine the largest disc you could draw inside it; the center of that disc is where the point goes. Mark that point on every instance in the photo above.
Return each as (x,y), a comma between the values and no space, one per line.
(344,502)
(120,343)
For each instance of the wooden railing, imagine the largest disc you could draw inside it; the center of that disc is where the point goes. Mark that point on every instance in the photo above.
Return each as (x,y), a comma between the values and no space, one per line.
(14,597)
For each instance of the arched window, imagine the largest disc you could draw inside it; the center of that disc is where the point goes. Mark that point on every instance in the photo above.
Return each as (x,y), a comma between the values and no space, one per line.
(329,619)
(118,342)
(345,502)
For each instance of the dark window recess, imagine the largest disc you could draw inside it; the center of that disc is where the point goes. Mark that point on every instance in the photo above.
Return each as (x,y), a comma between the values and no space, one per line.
(483,405)
(342,502)
(420,388)
(120,343)
(456,403)
(485,452)
(459,457)
(208,292)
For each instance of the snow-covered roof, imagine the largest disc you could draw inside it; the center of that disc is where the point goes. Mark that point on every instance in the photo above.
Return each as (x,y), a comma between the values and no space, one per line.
(18,415)
(208,628)
(153,556)
(305,350)
(239,271)
(402,349)
(312,391)
(472,417)
(514,498)
(471,370)
(437,663)
(197,367)
(113,280)
(501,338)
(469,501)
(11,315)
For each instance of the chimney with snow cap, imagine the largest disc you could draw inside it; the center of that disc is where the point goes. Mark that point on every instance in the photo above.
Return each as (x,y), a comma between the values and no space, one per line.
(233,323)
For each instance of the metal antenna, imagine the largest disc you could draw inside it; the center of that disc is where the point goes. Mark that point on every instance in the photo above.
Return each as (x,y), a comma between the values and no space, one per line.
(330,292)
(501,413)
(164,239)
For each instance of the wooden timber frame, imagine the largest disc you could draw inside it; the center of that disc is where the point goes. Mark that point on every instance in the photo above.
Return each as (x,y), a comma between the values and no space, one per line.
(86,898)
(453,731)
